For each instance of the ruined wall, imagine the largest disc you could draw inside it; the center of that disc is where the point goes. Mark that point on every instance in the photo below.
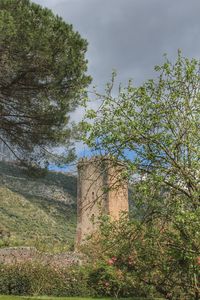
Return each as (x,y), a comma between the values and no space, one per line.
(17,255)
(100,191)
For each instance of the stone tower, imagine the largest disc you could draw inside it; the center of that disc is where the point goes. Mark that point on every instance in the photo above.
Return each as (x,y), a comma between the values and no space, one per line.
(100,191)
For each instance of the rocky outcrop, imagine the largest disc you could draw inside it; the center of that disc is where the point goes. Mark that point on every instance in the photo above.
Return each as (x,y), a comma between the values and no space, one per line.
(35,188)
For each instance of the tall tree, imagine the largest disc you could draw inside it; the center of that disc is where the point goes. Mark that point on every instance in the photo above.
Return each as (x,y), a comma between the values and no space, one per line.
(42,77)
(155,130)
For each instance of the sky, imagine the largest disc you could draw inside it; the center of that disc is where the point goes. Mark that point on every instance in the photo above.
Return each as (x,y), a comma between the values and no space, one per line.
(131,36)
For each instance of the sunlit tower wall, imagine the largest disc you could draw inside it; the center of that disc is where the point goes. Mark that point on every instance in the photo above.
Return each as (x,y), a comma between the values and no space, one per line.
(101,190)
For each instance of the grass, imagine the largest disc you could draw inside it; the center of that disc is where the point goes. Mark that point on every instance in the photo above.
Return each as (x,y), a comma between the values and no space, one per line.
(29,217)
(64,298)
(46,298)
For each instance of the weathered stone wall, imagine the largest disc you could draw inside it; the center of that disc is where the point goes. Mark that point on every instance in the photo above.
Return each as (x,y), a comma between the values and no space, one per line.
(19,255)
(100,191)
(118,191)
(90,197)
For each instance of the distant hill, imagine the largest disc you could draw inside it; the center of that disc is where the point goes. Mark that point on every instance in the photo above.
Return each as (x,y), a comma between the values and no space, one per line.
(5,153)
(38,211)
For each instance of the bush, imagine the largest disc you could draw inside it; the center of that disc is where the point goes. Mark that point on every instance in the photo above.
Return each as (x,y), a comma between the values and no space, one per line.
(109,281)
(35,279)
(14,280)
(129,258)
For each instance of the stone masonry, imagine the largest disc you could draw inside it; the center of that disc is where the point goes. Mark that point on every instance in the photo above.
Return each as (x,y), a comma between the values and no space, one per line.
(101,190)
(19,255)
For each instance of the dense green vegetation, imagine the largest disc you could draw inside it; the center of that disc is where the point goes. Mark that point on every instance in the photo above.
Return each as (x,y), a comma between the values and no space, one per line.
(30,279)
(29,219)
(42,79)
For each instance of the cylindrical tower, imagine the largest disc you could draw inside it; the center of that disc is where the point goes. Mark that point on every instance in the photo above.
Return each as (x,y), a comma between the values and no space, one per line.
(101,190)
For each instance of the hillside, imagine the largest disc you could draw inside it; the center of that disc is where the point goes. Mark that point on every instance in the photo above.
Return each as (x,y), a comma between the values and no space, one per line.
(37,212)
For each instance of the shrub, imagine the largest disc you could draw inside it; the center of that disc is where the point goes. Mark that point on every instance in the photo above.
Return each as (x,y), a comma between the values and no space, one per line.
(14,280)
(35,279)
(110,281)
(149,260)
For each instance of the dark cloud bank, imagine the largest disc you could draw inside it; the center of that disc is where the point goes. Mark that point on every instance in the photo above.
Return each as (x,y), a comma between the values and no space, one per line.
(131,35)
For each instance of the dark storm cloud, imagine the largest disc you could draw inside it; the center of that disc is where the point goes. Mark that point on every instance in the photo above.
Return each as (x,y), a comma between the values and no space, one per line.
(132,35)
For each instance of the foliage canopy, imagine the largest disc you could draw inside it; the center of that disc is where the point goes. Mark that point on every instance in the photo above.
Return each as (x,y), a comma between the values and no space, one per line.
(154,129)
(42,77)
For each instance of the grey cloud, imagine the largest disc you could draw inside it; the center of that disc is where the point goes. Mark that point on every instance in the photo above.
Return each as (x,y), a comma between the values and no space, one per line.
(131,35)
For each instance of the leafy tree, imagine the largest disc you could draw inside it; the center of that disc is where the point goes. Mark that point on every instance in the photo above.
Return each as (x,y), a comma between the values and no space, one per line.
(154,129)
(42,77)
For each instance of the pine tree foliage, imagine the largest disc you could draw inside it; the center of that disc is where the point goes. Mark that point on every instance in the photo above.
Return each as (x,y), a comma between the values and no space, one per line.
(42,77)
